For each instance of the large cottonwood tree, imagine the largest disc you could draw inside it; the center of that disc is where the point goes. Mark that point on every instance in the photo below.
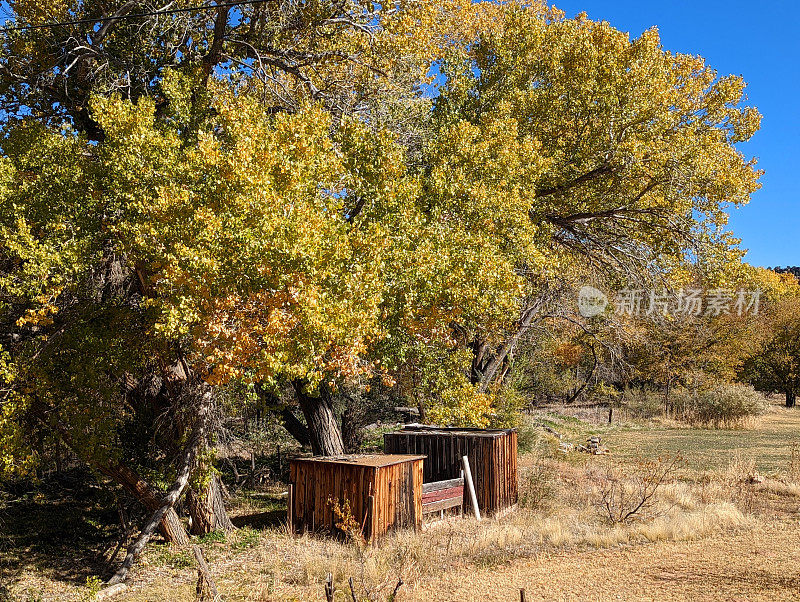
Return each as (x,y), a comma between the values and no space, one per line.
(262,194)
(569,144)
(122,141)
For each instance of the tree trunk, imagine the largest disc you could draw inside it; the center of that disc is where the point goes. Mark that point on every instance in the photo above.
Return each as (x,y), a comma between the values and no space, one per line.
(290,422)
(294,427)
(492,367)
(196,441)
(790,399)
(479,360)
(352,423)
(207,509)
(165,505)
(323,428)
(171,527)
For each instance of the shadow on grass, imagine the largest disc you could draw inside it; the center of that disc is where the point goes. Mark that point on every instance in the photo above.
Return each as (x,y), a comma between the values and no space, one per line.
(65,528)
(257,509)
(58,529)
(260,520)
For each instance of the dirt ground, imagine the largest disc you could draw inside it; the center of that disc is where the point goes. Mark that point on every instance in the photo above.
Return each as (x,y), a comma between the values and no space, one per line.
(754,564)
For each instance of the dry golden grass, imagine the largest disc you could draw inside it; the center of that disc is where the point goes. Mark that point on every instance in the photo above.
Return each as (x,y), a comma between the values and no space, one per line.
(738,498)
(294,568)
(757,564)
(280,567)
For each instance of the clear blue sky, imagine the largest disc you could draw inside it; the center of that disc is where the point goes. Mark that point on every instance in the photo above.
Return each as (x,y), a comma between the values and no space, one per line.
(759,40)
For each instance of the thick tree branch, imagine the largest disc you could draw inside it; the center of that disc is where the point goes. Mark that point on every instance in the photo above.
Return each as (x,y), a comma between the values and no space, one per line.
(185,465)
(587,177)
(214,54)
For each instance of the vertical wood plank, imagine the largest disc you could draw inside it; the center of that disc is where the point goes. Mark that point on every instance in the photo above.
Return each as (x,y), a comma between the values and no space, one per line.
(370,522)
(387,496)
(515,476)
(378,488)
(290,509)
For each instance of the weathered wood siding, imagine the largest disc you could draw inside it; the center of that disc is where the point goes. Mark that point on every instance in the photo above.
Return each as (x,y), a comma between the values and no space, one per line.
(492,456)
(382,495)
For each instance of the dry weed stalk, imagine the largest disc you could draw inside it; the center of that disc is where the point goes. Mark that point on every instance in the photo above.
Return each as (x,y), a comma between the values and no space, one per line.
(623,498)
(365,590)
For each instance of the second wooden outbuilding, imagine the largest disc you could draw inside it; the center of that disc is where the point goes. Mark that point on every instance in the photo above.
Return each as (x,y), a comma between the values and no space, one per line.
(492,456)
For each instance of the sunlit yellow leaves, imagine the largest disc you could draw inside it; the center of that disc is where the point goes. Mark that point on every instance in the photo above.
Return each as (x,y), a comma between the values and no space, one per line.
(462,406)
(41,316)
(297,226)
(251,238)
(17,458)
(35,12)
(612,147)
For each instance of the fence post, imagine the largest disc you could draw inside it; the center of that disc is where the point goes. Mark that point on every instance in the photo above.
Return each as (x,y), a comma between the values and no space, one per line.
(290,508)
(329,590)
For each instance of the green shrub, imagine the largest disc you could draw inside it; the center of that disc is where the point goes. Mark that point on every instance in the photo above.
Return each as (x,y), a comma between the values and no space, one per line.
(93,586)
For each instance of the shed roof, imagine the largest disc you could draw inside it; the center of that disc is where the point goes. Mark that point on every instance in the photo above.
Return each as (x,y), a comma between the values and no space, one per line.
(427,430)
(374,460)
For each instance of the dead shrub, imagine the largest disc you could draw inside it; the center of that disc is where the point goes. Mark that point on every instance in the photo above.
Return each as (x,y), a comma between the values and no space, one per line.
(622,497)
(740,476)
(740,469)
(537,485)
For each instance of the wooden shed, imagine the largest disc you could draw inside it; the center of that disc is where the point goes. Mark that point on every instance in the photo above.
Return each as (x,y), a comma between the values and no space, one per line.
(492,456)
(384,492)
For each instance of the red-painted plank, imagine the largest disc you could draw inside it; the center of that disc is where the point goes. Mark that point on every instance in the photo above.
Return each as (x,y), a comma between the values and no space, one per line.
(443,494)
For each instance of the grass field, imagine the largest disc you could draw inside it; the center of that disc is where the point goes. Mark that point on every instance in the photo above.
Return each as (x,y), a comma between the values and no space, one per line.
(723,527)
(769,442)
(747,564)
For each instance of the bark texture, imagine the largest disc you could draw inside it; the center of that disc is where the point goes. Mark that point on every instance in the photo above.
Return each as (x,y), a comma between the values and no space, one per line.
(323,428)
(171,497)
(170,525)
(200,432)
(207,509)
(294,427)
